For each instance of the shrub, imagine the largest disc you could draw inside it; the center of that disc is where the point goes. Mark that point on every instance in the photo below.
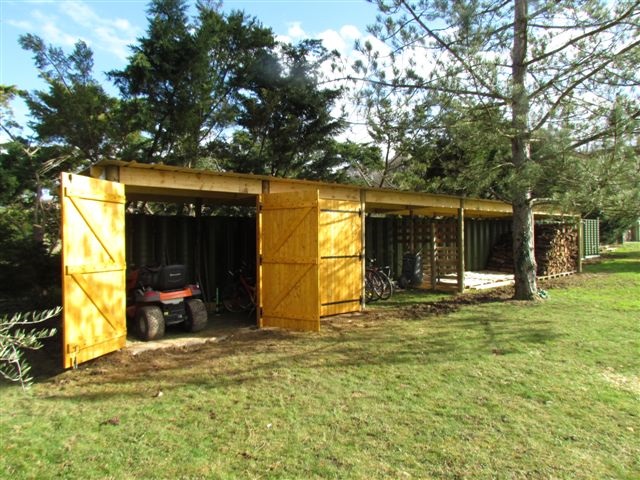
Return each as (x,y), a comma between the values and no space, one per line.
(16,336)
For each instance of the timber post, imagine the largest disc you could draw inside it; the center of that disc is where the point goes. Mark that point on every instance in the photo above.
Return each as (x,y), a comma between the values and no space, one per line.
(580,236)
(363,234)
(432,255)
(461,247)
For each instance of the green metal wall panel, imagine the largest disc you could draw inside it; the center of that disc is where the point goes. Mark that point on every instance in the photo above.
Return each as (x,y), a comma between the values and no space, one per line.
(479,237)
(591,237)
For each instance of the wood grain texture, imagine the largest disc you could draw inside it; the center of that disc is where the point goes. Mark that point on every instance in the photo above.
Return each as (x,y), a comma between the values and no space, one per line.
(93,272)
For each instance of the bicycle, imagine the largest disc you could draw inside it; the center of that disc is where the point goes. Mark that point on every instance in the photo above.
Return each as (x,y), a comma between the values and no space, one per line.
(240,294)
(378,282)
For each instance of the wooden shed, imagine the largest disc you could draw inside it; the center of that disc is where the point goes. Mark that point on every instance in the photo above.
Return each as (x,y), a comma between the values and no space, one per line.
(310,239)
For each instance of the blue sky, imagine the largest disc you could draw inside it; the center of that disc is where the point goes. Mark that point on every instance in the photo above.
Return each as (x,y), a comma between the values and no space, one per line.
(108,27)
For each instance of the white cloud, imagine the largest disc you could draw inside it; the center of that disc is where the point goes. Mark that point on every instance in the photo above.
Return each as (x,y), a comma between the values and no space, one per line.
(76,20)
(284,39)
(296,32)
(112,35)
(332,40)
(350,32)
(115,44)
(51,32)
(21,24)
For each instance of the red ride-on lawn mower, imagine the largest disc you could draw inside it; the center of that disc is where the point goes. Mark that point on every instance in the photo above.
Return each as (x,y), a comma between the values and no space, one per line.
(160,296)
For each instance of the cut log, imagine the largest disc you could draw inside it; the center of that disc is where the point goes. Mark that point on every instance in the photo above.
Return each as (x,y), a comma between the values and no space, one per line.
(556,250)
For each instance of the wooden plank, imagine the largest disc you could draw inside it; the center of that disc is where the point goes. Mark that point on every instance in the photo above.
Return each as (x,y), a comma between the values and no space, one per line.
(460,252)
(188,180)
(363,246)
(409,200)
(341,282)
(93,268)
(341,248)
(258,312)
(143,177)
(289,274)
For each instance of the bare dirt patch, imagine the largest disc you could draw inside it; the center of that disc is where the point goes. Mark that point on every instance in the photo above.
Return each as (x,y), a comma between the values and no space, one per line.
(225,336)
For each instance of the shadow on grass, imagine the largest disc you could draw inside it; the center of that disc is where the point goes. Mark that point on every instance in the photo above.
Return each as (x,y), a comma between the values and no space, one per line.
(264,353)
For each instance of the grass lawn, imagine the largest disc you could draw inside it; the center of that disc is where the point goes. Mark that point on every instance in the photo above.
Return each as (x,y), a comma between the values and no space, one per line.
(504,389)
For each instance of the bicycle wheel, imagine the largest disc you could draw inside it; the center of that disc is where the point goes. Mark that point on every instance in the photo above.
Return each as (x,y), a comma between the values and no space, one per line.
(235,298)
(387,284)
(375,286)
(369,293)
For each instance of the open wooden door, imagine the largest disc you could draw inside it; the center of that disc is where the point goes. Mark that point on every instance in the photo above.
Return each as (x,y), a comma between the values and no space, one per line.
(93,263)
(289,277)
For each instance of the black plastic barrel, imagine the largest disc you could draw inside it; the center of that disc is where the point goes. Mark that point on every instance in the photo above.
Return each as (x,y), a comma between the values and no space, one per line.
(412,267)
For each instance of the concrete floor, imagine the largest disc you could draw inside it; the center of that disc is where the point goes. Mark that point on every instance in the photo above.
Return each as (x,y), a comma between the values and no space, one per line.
(219,327)
(480,280)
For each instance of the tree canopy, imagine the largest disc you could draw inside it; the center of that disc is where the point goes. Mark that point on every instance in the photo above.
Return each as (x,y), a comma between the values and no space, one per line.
(550,70)
(528,102)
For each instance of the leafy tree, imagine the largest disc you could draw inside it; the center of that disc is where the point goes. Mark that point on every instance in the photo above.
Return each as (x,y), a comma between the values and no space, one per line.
(464,154)
(24,164)
(548,66)
(16,157)
(16,336)
(363,160)
(286,118)
(75,112)
(396,127)
(182,79)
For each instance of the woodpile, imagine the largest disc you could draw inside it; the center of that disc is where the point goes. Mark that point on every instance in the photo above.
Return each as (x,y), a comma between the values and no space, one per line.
(556,250)
(501,256)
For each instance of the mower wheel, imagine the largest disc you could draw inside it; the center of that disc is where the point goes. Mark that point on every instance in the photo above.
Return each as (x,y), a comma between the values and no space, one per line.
(150,322)
(196,315)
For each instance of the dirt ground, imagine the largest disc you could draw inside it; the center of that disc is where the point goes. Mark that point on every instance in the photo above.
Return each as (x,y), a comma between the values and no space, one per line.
(226,333)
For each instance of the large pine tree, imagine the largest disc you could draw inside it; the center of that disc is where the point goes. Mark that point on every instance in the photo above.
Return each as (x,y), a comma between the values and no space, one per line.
(546,66)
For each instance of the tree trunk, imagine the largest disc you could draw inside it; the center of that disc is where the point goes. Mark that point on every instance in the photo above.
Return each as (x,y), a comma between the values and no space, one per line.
(523,247)
(524,259)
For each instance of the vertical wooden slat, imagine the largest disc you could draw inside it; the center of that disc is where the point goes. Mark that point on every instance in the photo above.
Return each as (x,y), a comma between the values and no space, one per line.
(580,227)
(432,255)
(461,247)
(363,247)
(259,258)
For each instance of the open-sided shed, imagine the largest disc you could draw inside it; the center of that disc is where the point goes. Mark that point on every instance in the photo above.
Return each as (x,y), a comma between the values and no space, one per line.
(310,239)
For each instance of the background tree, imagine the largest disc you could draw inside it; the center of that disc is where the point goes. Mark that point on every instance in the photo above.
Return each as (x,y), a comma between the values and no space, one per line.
(286,121)
(74,113)
(183,77)
(551,65)
(28,226)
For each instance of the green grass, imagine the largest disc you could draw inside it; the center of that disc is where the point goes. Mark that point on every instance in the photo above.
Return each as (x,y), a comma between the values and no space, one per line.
(496,390)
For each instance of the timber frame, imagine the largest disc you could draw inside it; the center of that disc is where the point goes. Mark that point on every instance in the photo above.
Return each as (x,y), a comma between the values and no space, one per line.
(157,182)
(310,242)
(164,183)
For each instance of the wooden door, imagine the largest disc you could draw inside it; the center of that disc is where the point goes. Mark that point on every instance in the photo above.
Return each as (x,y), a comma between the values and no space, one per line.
(289,270)
(93,263)
(341,256)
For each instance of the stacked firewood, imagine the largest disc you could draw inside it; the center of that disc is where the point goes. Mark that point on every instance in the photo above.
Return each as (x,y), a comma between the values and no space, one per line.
(556,250)
(501,256)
